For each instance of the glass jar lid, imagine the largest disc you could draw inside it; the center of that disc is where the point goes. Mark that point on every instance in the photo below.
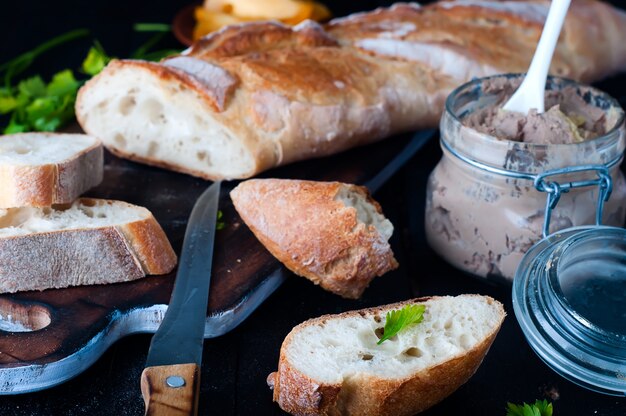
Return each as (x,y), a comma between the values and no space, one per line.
(569,297)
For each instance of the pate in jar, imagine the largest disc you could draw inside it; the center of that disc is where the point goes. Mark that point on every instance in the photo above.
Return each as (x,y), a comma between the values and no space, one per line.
(502,172)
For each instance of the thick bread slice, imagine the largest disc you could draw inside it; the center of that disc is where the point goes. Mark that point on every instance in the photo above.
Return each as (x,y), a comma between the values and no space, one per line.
(42,169)
(93,241)
(333,234)
(331,365)
(258,95)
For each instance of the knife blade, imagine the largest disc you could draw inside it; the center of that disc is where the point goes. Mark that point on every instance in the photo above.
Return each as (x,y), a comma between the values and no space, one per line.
(171,378)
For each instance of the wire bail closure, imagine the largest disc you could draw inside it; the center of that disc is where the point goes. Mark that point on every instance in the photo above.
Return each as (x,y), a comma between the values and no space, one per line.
(552,188)
(555,189)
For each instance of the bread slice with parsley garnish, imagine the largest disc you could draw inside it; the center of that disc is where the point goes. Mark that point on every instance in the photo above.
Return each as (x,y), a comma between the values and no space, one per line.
(332,233)
(336,364)
(42,169)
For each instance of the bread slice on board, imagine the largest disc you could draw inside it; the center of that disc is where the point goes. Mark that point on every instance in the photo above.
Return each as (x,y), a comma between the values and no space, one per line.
(92,241)
(332,233)
(258,95)
(42,169)
(332,365)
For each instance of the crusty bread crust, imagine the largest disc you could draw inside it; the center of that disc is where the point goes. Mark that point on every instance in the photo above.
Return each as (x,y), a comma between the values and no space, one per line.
(287,94)
(305,226)
(486,38)
(149,244)
(300,395)
(48,184)
(91,256)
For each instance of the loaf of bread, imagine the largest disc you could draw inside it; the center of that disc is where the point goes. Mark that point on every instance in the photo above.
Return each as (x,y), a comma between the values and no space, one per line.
(332,365)
(259,95)
(42,169)
(92,241)
(333,234)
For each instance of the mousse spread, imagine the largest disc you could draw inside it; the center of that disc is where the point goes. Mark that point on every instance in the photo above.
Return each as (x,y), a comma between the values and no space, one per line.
(484,222)
(568,117)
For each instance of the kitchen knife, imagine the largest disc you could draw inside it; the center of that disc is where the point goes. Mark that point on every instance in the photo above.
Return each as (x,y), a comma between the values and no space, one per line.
(170,382)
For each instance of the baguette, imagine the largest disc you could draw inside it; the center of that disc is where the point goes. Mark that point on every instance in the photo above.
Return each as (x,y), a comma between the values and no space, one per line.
(333,234)
(332,365)
(258,95)
(93,241)
(42,169)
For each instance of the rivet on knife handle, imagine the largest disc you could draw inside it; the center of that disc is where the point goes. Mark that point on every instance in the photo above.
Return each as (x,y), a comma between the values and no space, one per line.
(161,399)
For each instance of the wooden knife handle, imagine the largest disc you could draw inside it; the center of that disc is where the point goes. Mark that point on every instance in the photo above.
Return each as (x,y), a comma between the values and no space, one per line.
(171,390)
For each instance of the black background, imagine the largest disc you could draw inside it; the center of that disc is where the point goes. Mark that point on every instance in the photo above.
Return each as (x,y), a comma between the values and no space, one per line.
(235,366)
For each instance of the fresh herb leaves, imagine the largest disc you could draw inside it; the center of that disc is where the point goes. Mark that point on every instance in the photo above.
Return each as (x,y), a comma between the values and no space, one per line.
(38,106)
(34,105)
(143,51)
(21,63)
(539,408)
(96,60)
(398,320)
(221,224)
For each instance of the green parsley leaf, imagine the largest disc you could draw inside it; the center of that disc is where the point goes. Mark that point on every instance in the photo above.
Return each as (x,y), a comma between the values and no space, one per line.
(32,87)
(221,224)
(40,108)
(96,60)
(14,126)
(539,408)
(398,320)
(8,103)
(63,83)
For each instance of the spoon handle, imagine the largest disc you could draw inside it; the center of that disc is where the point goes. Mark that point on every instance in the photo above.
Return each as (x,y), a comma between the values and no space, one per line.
(535,80)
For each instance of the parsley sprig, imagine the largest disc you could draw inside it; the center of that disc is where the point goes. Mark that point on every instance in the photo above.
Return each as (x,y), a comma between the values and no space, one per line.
(539,408)
(21,63)
(33,104)
(221,223)
(398,320)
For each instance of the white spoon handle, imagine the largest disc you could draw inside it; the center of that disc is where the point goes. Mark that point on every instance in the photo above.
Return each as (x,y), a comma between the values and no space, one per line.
(531,93)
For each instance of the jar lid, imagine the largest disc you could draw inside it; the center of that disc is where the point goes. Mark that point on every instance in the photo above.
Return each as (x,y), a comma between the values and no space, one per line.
(569,297)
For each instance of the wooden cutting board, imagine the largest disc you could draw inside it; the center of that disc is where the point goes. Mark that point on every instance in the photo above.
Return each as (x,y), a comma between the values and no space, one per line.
(49,337)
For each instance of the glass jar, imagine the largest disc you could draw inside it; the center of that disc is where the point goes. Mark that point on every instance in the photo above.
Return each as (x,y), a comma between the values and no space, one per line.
(569,297)
(487,198)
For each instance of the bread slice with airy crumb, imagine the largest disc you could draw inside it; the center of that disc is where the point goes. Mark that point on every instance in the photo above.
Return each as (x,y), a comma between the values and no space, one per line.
(92,241)
(43,169)
(332,233)
(332,365)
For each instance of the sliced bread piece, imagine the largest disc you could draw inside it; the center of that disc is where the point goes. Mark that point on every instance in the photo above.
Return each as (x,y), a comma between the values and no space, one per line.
(332,233)
(42,169)
(93,241)
(332,365)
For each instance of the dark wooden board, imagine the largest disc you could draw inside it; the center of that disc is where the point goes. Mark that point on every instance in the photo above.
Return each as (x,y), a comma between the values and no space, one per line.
(85,321)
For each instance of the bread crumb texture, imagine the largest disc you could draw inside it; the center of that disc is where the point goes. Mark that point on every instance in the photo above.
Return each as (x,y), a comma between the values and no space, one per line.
(334,348)
(36,149)
(82,214)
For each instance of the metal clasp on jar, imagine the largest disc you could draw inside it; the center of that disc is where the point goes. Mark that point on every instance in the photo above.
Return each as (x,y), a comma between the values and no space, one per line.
(555,189)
